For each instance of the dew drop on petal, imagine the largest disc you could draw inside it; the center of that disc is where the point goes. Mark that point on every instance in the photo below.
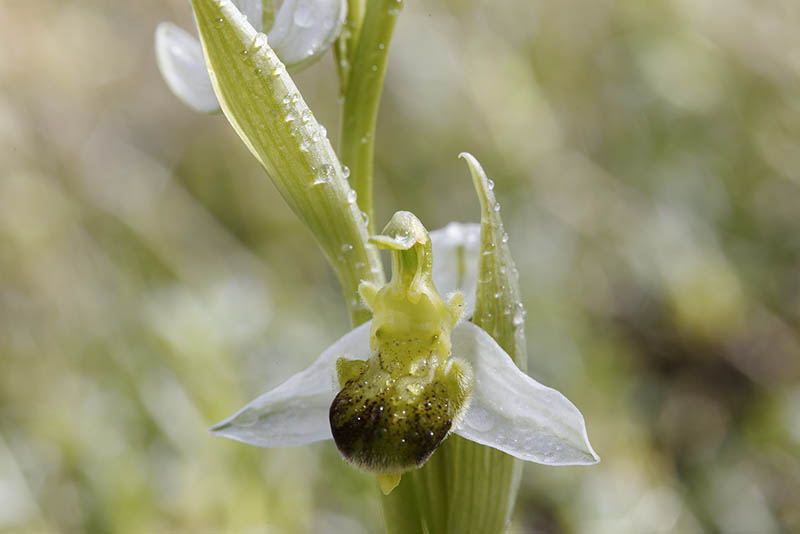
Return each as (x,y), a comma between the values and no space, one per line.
(304,15)
(479,419)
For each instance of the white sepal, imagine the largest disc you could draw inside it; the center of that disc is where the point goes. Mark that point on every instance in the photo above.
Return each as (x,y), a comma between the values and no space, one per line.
(455,261)
(512,412)
(296,412)
(305,29)
(180,60)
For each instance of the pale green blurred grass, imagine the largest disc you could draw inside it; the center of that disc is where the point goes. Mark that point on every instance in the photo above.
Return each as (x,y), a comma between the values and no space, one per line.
(151,279)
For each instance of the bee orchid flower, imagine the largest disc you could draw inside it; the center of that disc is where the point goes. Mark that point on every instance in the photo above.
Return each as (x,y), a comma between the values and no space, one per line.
(300,32)
(391,390)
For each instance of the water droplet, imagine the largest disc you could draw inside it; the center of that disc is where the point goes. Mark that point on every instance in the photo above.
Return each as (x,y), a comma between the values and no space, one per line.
(304,14)
(363,140)
(519,317)
(374,68)
(325,174)
(259,42)
(479,419)
(351,196)
(305,117)
(345,171)
(381,46)
(419,367)
(347,247)
(415,388)
(496,206)
(490,183)
(290,116)
(504,239)
(323,131)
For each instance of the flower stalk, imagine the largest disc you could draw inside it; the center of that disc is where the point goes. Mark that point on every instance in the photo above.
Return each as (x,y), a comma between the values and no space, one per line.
(362,68)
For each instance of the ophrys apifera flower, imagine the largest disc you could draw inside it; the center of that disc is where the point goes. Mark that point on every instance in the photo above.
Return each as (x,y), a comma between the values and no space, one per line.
(391,390)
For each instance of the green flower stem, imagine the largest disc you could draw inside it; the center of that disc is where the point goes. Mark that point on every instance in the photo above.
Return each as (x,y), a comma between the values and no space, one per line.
(262,103)
(344,46)
(362,96)
(403,515)
(466,488)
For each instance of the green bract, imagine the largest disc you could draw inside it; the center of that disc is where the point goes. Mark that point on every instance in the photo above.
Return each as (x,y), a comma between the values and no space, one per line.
(262,103)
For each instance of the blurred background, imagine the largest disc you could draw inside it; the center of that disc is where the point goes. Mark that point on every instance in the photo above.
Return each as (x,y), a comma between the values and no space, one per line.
(647,158)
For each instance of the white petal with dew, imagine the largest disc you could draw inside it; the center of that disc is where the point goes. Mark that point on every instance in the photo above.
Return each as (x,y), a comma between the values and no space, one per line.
(305,29)
(180,60)
(512,412)
(252,9)
(296,412)
(455,261)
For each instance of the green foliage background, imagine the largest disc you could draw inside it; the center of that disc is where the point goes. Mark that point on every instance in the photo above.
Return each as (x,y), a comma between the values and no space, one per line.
(647,157)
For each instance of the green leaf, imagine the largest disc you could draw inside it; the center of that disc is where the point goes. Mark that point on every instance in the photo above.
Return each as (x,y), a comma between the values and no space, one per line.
(262,103)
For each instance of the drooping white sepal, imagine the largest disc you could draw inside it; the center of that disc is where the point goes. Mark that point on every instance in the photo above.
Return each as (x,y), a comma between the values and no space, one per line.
(512,412)
(296,412)
(180,60)
(305,29)
(455,261)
